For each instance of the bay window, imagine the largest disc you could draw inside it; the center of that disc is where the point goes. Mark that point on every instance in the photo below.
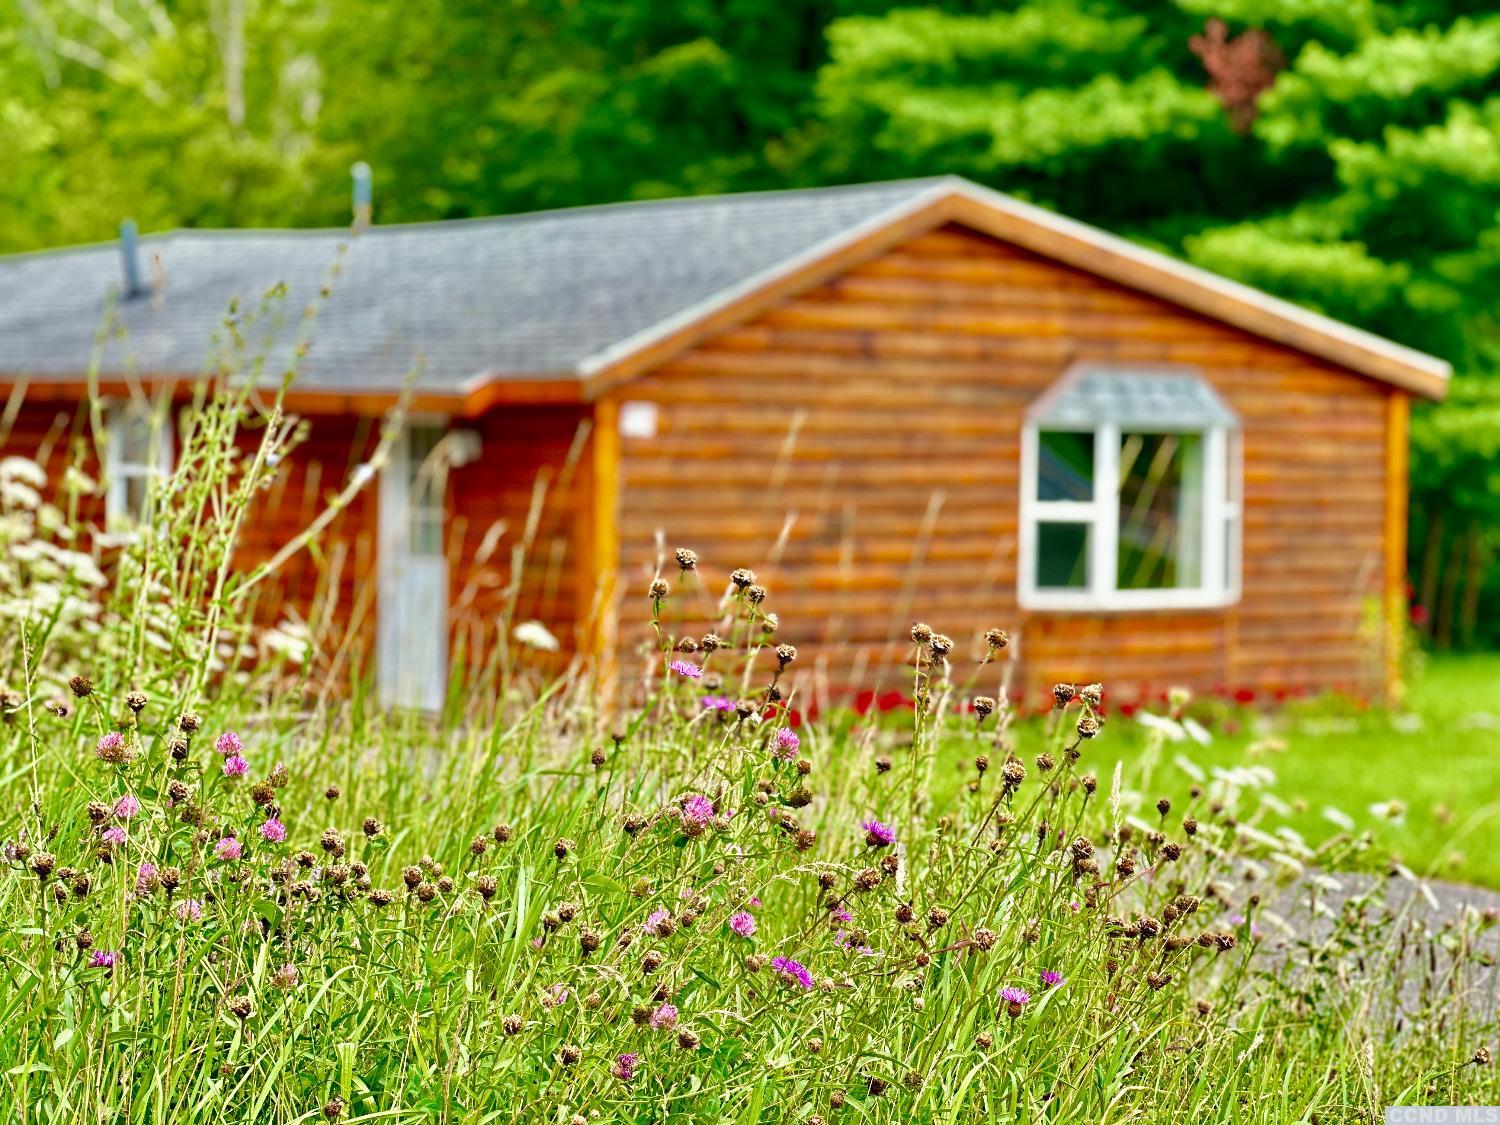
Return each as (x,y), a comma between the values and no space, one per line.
(1130,493)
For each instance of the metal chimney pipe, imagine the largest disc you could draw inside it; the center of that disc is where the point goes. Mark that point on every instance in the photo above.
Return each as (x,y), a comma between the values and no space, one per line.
(363,195)
(130,266)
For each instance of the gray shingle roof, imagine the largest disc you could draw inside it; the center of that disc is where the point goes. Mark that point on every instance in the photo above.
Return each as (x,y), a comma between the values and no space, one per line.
(529,296)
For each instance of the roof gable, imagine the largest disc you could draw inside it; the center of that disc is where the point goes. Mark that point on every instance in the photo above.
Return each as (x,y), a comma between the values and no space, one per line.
(567,304)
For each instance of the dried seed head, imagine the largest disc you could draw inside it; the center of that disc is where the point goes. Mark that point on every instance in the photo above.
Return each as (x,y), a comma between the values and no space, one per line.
(380,897)
(563,847)
(1482,1056)
(136,701)
(742,577)
(502,833)
(242,1006)
(42,863)
(940,645)
(1190,826)
(755,594)
(985,939)
(1171,852)
(81,686)
(785,654)
(1062,694)
(1045,763)
(882,764)
(1088,726)
(686,559)
(512,1025)
(485,887)
(937,917)
(687,1040)
(984,1040)
(426,892)
(659,589)
(1092,694)
(921,633)
(711,642)
(333,1109)
(984,706)
(688,645)
(569,1054)
(803,839)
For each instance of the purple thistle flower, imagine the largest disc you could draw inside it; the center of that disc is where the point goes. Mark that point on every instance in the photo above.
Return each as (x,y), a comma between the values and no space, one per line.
(664,1018)
(126,807)
(555,995)
(697,809)
(189,910)
(115,835)
(228,848)
(228,743)
(792,972)
(743,924)
(718,703)
(146,879)
(235,766)
(1014,1000)
(273,830)
(624,1068)
(110,746)
(686,668)
(656,920)
(784,744)
(878,834)
(1051,979)
(840,914)
(105,959)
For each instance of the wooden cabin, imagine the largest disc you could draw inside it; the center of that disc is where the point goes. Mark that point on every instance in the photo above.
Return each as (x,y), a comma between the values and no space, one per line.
(920,400)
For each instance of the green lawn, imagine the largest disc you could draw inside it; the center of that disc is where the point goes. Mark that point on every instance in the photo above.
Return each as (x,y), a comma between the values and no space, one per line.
(1439,755)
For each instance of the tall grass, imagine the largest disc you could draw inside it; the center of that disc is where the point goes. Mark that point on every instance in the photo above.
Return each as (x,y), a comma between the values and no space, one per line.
(682,909)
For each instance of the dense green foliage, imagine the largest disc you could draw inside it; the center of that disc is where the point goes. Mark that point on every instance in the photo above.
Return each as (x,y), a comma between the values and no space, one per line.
(1343,153)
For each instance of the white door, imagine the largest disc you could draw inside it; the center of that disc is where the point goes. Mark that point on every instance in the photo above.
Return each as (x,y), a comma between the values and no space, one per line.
(412,615)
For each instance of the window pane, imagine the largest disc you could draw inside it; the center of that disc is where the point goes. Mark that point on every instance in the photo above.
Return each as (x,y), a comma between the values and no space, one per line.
(1062,556)
(1161,511)
(1065,465)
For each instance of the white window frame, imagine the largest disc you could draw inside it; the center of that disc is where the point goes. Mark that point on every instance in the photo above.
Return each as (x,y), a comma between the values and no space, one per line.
(119,471)
(1221,568)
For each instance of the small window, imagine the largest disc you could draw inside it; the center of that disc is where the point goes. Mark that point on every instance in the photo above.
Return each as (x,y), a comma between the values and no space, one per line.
(1130,493)
(139,450)
(426,477)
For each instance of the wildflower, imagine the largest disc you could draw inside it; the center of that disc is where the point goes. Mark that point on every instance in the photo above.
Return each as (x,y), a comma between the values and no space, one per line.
(235,766)
(228,848)
(792,972)
(878,834)
(718,703)
(659,922)
(533,634)
(1051,979)
(147,879)
(697,810)
(273,830)
(785,743)
(127,806)
(1014,999)
(624,1067)
(105,959)
(189,910)
(228,743)
(111,748)
(664,1018)
(115,836)
(686,668)
(743,924)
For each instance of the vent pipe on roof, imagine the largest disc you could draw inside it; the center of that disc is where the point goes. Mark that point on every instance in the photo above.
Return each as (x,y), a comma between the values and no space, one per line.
(363,193)
(130,266)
